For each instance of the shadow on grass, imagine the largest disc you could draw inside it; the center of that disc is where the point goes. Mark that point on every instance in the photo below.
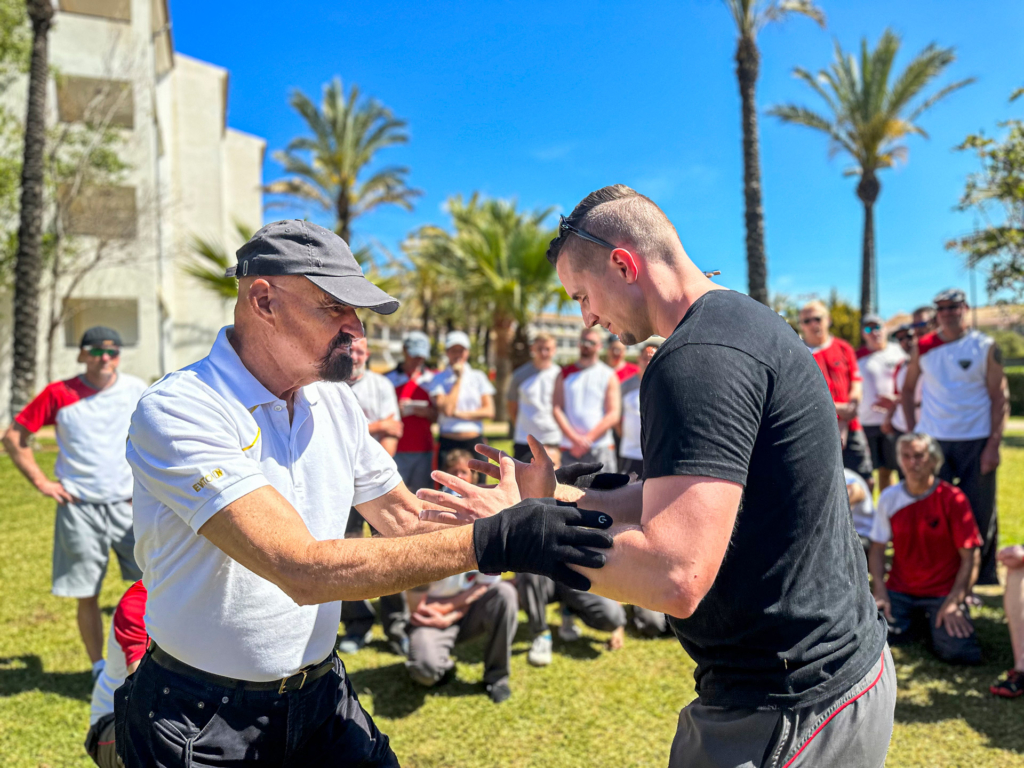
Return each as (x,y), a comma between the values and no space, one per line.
(396,696)
(1013,441)
(19,674)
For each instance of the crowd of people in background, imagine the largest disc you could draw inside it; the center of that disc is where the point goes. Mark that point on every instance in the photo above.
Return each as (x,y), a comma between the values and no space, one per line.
(921,410)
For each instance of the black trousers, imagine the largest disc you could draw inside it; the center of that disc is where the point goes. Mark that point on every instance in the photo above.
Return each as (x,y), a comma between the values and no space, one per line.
(963,462)
(167,719)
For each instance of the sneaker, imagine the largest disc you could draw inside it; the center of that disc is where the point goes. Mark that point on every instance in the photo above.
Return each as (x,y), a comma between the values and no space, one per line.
(499,691)
(400,646)
(569,632)
(540,650)
(97,670)
(354,643)
(1011,686)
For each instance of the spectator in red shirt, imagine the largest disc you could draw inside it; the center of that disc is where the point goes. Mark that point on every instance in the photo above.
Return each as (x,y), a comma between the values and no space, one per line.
(935,553)
(1012,684)
(838,363)
(415,453)
(617,360)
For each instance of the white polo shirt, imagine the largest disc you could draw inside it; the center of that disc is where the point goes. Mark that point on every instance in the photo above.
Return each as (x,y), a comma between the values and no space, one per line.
(474,386)
(205,436)
(376,396)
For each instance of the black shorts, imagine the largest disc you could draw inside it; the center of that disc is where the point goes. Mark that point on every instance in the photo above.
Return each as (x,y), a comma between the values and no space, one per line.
(857,455)
(882,447)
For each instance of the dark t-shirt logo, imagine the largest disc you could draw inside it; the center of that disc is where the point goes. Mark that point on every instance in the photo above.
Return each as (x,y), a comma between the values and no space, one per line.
(965,364)
(933,522)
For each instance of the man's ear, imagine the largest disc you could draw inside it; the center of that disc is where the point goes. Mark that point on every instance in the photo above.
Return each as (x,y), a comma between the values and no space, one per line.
(82,357)
(259,298)
(626,264)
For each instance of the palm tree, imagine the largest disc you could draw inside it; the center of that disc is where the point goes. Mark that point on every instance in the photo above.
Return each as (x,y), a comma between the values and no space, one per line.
(497,255)
(751,16)
(326,168)
(28,265)
(871,114)
(212,260)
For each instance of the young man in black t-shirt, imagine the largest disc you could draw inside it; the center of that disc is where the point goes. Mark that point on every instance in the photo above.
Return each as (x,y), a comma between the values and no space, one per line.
(741,528)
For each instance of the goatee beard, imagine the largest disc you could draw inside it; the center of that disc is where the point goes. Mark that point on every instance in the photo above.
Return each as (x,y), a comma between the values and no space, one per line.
(333,367)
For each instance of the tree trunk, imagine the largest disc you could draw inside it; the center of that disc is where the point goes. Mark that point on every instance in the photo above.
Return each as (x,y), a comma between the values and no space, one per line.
(28,261)
(344,213)
(867,190)
(747,64)
(502,364)
(520,347)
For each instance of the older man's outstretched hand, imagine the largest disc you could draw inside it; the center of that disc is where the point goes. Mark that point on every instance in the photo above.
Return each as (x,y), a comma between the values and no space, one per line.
(543,536)
(473,501)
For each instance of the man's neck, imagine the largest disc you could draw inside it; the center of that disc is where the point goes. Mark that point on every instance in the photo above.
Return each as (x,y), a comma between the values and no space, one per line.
(674,289)
(265,368)
(619,365)
(410,369)
(586,362)
(948,335)
(101,380)
(919,487)
(542,365)
(825,341)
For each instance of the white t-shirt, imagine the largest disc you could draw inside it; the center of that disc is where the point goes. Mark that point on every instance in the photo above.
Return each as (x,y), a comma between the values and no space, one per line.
(863,511)
(532,390)
(376,396)
(955,404)
(474,386)
(584,391)
(453,586)
(878,372)
(205,436)
(629,446)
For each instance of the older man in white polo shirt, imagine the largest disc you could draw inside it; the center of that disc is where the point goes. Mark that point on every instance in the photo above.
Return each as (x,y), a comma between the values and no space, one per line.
(245,470)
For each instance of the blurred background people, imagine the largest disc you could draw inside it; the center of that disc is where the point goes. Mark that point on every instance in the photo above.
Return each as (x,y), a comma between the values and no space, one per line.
(877,361)
(964,406)
(94,485)
(631,457)
(414,453)
(587,404)
(617,360)
(862,507)
(838,363)
(530,395)
(935,544)
(463,396)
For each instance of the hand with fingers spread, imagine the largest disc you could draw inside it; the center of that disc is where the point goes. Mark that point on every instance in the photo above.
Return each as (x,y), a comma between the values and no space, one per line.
(543,536)
(536,480)
(473,501)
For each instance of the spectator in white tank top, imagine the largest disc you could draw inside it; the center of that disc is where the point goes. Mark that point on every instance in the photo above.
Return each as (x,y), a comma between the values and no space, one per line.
(529,400)
(587,404)
(964,406)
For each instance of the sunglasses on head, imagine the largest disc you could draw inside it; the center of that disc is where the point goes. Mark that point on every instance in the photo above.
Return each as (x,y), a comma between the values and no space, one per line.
(809,320)
(101,351)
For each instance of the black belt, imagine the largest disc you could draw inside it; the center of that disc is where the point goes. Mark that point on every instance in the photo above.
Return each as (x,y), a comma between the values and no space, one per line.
(284,685)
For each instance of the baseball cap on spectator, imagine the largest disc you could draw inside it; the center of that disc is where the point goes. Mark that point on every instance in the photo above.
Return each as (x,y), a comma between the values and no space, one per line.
(456,339)
(417,344)
(654,341)
(296,247)
(950,294)
(872,319)
(95,336)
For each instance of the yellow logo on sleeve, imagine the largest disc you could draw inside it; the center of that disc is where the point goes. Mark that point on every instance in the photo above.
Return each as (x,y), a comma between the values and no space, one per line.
(205,480)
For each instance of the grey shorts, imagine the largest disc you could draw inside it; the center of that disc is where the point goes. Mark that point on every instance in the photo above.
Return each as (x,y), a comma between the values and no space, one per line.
(605,456)
(82,539)
(851,730)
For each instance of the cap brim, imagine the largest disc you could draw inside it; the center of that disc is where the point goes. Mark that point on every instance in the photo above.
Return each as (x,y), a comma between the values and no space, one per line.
(356,291)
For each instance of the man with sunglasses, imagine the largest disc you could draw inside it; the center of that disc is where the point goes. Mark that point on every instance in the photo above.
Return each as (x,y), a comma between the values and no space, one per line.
(964,406)
(93,489)
(740,529)
(878,361)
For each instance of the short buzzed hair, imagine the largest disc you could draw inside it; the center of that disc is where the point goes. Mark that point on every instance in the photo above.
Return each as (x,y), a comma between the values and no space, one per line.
(617,214)
(817,304)
(542,338)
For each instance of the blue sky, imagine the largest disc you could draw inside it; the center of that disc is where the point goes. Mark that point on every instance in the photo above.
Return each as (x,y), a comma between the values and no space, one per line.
(546,101)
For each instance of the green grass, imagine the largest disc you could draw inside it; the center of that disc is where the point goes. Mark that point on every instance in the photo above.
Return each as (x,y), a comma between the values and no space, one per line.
(589,708)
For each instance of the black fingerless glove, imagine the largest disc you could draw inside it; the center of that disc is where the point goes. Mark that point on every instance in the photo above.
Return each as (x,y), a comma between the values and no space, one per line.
(542,536)
(585,476)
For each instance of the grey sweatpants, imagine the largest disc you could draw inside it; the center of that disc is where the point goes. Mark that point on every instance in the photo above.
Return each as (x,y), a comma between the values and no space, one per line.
(495,614)
(851,730)
(535,592)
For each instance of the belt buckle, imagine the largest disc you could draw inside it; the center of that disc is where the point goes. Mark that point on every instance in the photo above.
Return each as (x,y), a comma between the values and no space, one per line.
(284,682)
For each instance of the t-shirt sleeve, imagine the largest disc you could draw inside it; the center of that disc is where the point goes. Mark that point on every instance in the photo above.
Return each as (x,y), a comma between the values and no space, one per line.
(389,401)
(962,523)
(519,375)
(129,623)
(374,471)
(42,410)
(485,386)
(701,411)
(187,451)
(881,529)
(851,362)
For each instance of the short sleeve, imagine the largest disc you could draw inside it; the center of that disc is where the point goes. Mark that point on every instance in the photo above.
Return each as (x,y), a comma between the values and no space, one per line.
(42,410)
(961,521)
(852,363)
(374,470)
(129,623)
(484,384)
(701,408)
(519,375)
(187,451)
(439,385)
(881,528)
(389,401)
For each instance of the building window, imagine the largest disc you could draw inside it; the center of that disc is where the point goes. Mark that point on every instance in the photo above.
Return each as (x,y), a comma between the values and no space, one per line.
(104,212)
(120,314)
(93,100)
(118,10)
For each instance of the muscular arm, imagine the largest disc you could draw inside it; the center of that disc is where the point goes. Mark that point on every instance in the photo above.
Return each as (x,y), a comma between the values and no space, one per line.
(263,532)
(995,382)
(670,560)
(16,443)
(910,388)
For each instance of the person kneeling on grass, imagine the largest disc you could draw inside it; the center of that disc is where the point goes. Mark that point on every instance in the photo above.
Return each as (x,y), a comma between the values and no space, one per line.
(460,608)
(935,553)
(1012,684)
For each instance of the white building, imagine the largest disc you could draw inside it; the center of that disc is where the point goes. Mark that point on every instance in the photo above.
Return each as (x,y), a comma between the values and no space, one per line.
(191,175)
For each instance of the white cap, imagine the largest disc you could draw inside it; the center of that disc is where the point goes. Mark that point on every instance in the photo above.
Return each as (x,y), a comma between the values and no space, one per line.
(456,339)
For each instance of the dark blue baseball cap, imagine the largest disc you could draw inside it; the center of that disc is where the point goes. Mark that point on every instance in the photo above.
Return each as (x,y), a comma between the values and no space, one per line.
(297,247)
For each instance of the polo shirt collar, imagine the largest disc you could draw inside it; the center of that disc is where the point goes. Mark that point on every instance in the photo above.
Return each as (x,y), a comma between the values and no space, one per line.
(236,377)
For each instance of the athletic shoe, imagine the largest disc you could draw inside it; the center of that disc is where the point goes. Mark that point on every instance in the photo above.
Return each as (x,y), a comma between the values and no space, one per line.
(1011,686)
(399,647)
(354,643)
(499,691)
(540,650)
(569,632)
(97,670)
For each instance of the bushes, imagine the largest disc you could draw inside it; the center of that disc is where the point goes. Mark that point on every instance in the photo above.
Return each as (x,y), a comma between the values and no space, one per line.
(1015,376)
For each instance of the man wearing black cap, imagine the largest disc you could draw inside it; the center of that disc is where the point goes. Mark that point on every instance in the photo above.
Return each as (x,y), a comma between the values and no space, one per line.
(247,449)
(93,489)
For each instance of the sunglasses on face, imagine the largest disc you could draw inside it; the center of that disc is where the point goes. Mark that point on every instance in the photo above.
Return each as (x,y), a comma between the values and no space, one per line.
(809,320)
(949,307)
(872,328)
(101,351)
(904,336)
(587,343)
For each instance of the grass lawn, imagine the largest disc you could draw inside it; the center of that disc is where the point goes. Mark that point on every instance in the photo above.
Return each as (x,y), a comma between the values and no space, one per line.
(589,708)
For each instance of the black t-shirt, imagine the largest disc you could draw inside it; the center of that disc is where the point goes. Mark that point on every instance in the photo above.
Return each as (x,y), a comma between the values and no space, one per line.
(735,394)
